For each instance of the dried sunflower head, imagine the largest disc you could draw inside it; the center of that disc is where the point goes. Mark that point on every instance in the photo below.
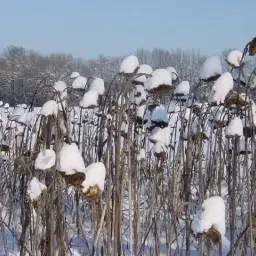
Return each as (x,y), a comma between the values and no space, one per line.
(93,193)
(252,47)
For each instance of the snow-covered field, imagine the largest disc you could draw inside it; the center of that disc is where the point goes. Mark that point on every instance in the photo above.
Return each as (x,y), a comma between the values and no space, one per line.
(150,165)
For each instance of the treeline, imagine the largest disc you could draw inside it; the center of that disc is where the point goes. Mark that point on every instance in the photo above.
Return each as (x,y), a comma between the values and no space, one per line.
(22,71)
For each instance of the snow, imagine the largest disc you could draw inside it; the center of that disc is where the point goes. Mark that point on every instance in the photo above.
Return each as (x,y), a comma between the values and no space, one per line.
(147,115)
(140,110)
(11,125)
(222,86)
(139,95)
(160,147)
(89,99)
(210,68)
(245,146)
(188,114)
(17,112)
(182,89)
(6,105)
(74,252)
(121,100)
(173,72)
(1,103)
(98,85)
(224,189)
(235,127)
(159,77)
(74,74)
(191,129)
(60,99)
(109,117)
(234,58)
(252,81)
(253,111)
(159,114)
(212,214)
(129,65)
(62,103)
(26,118)
(79,82)
(35,188)
(19,130)
(70,160)
(94,175)
(49,108)
(45,160)
(124,127)
(160,135)
(141,155)
(60,86)
(143,69)
(173,107)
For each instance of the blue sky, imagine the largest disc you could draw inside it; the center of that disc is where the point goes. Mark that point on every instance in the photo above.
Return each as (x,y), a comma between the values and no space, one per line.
(115,27)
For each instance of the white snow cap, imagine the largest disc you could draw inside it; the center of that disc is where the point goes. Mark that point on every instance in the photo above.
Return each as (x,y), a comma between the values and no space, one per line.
(182,89)
(158,77)
(49,108)
(235,127)
(212,214)
(173,72)
(1,103)
(222,86)
(89,99)
(74,74)
(70,159)
(129,65)
(35,188)
(160,135)
(94,175)
(6,105)
(79,82)
(45,160)
(234,58)
(211,67)
(98,85)
(143,69)
(159,114)
(60,86)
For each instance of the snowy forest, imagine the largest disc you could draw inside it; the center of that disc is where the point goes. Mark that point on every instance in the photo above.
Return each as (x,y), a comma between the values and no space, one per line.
(151,153)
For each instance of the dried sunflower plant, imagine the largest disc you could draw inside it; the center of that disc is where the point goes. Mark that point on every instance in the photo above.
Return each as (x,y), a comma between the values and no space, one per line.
(146,164)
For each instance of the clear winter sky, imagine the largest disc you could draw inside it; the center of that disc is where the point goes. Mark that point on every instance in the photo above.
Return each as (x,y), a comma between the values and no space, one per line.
(115,27)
